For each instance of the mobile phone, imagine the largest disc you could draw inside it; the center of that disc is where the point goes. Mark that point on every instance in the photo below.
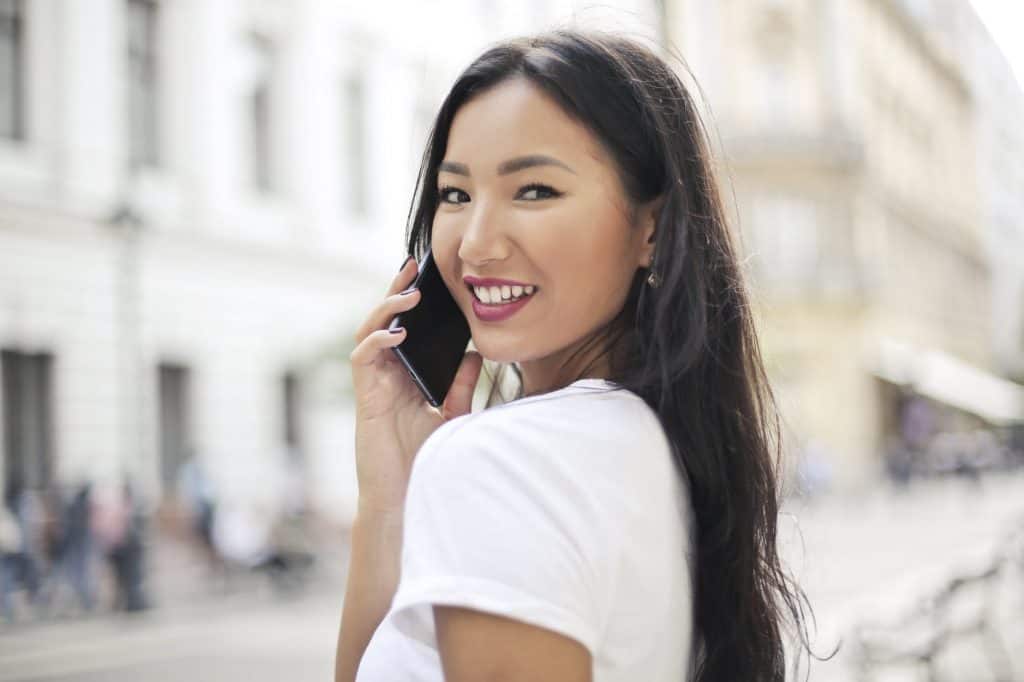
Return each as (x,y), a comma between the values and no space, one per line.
(436,337)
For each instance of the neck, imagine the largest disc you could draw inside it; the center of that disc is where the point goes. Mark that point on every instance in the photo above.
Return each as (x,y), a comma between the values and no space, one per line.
(547,374)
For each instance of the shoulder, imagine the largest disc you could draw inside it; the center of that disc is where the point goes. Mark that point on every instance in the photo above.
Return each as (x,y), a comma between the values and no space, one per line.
(583,455)
(596,428)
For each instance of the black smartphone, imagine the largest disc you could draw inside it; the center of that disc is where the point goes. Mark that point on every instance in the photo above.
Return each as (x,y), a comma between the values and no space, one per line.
(436,334)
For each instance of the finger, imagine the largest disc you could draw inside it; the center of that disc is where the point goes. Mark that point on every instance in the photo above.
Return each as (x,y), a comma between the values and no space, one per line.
(459,400)
(380,316)
(406,274)
(365,354)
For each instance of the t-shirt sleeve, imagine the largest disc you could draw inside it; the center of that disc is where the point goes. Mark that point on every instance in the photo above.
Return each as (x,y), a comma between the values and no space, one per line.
(496,520)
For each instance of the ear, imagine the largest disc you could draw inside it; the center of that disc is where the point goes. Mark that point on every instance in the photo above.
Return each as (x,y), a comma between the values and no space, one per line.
(647,217)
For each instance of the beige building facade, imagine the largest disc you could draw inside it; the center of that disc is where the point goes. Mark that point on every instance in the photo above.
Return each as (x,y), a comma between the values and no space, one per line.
(847,136)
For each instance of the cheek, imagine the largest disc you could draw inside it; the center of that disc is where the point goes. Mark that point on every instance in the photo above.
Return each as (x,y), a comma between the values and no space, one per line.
(444,246)
(592,243)
(596,258)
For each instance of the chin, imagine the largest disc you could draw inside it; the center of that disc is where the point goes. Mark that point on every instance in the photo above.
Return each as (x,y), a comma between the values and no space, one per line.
(492,351)
(493,356)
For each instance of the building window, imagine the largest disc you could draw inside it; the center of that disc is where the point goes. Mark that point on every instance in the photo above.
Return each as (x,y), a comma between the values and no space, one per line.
(785,241)
(290,404)
(354,153)
(27,420)
(773,39)
(261,122)
(143,83)
(12,64)
(175,422)
(777,96)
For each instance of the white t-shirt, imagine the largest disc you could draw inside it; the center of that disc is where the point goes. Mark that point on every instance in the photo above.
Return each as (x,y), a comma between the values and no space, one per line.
(562,510)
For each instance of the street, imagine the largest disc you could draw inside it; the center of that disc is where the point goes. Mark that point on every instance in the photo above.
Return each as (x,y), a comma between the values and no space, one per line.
(871,558)
(198,632)
(254,641)
(861,558)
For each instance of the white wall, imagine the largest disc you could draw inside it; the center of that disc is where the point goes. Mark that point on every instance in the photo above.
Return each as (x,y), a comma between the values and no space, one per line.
(236,285)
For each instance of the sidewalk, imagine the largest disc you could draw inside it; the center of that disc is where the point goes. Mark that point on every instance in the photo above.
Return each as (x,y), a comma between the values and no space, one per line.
(873,557)
(857,557)
(177,578)
(246,637)
(198,630)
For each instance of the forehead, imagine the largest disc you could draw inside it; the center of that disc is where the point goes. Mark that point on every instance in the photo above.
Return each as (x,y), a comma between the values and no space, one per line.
(513,118)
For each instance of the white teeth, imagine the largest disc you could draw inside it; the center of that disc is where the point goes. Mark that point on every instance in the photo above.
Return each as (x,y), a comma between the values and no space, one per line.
(504,293)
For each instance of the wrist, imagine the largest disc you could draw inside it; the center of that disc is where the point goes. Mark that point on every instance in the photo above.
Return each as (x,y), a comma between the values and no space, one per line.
(379,512)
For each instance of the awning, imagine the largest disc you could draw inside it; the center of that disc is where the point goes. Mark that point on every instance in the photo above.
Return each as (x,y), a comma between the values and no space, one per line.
(949,380)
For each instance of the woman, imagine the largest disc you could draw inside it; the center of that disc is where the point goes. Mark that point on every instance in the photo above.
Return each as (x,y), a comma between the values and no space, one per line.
(616,520)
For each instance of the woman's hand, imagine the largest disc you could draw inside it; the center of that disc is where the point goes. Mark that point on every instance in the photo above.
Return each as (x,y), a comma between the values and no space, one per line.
(393,419)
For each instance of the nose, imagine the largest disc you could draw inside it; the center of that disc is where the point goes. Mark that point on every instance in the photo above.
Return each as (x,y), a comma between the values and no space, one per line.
(483,238)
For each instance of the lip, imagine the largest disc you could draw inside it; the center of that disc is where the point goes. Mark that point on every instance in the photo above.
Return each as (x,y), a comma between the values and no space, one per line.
(496,313)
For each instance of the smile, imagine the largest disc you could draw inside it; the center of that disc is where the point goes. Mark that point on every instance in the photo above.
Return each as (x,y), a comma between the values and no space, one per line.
(501,294)
(502,309)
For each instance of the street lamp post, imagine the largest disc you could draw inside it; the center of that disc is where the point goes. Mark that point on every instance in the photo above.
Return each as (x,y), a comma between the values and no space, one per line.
(128,226)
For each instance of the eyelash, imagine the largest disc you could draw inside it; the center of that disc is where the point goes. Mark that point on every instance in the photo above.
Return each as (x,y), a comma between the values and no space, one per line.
(444,190)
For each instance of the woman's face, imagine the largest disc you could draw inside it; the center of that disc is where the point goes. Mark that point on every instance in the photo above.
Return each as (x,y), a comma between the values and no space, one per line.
(526,194)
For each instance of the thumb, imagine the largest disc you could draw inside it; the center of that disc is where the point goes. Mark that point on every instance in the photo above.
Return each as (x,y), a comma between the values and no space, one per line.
(459,400)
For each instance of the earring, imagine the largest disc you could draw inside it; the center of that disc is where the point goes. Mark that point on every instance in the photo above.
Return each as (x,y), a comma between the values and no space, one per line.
(653,278)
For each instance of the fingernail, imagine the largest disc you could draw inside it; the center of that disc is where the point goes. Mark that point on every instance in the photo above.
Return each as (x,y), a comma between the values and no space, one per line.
(397,330)
(408,291)
(405,262)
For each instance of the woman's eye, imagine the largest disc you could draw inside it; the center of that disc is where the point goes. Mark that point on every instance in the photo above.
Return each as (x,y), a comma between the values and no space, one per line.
(445,194)
(536,191)
(531,192)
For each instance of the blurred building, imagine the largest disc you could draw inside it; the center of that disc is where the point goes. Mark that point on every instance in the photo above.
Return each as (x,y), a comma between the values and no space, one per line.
(851,134)
(200,200)
(1000,106)
(998,100)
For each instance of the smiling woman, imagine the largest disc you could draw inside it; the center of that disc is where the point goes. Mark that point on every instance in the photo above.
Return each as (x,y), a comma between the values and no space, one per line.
(615,520)
(540,203)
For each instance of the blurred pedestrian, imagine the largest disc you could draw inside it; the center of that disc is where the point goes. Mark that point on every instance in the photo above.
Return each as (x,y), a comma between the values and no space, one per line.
(28,508)
(899,462)
(128,555)
(72,547)
(51,539)
(917,421)
(118,528)
(19,565)
(290,551)
(10,550)
(197,491)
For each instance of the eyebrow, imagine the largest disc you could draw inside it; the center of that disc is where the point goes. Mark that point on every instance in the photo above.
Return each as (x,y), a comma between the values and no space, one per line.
(506,167)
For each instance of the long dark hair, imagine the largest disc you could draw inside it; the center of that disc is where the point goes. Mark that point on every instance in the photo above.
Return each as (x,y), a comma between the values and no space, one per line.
(688,347)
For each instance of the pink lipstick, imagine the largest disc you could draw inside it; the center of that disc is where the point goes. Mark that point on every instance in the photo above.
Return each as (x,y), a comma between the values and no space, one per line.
(497,312)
